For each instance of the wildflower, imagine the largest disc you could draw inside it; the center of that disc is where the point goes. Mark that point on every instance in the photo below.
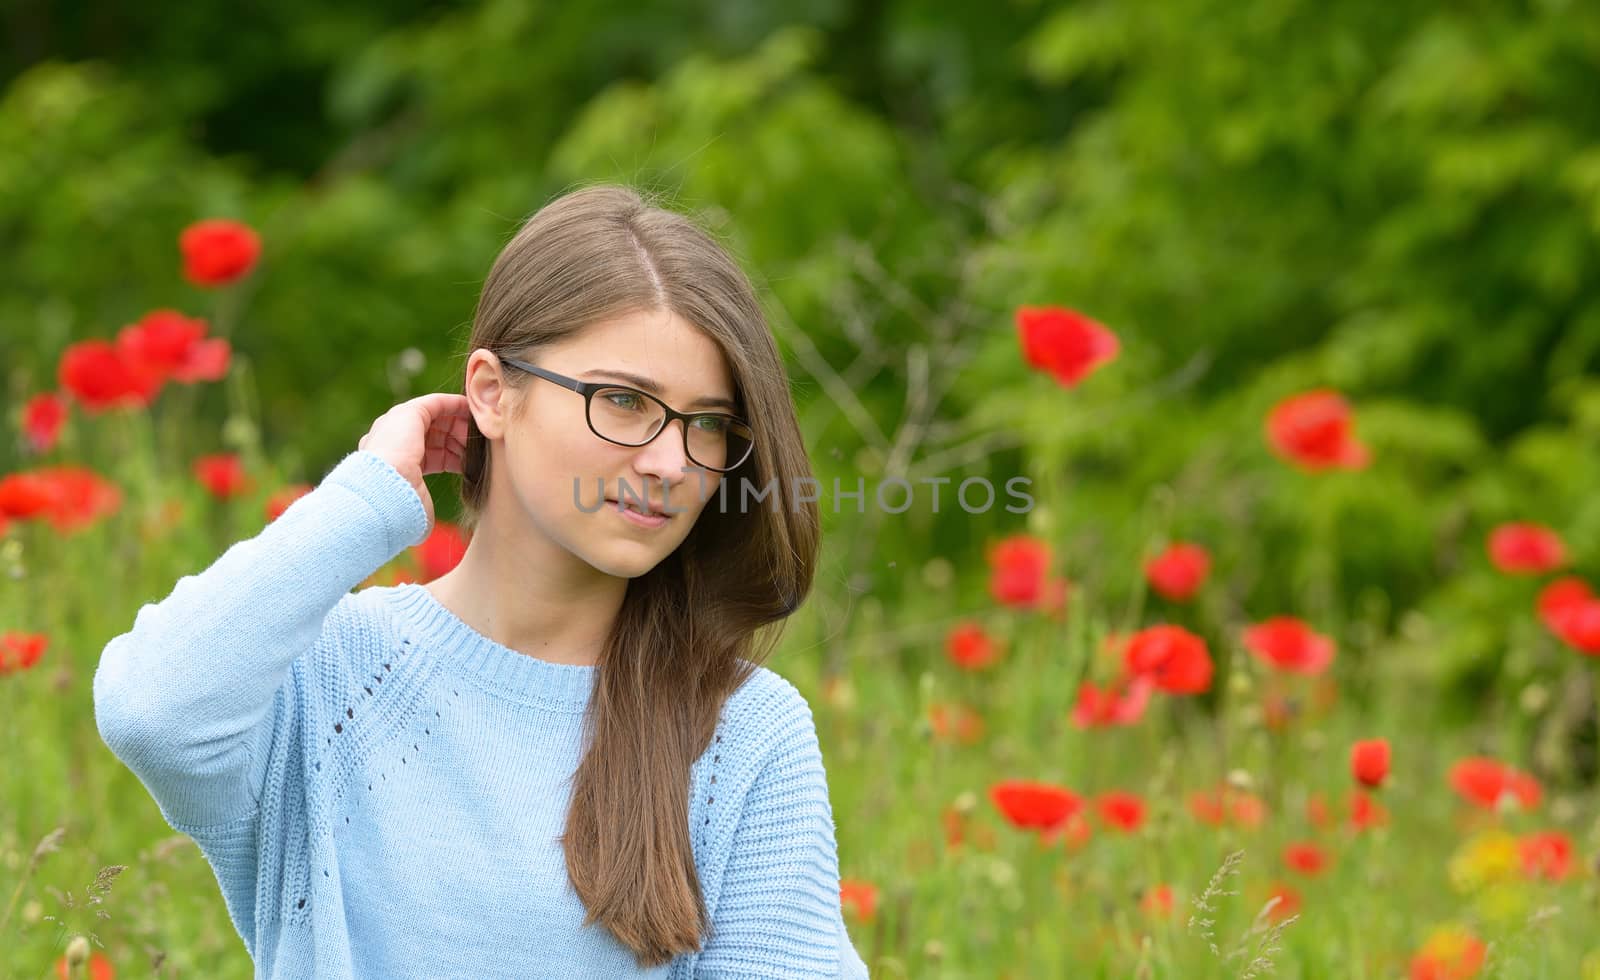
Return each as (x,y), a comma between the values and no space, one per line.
(1450,953)
(1074,832)
(1178,571)
(1064,342)
(1546,854)
(1485,859)
(166,345)
(222,474)
(1525,548)
(955,721)
(1157,901)
(1227,804)
(97,376)
(1561,595)
(1570,611)
(1032,804)
(20,651)
(99,967)
(1312,430)
(69,497)
(1121,810)
(1173,658)
(1288,644)
(1289,902)
(1306,858)
(280,500)
(1493,785)
(1122,702)
(1317,813)
(1369,761)
(1366,812)
(1020,566)
(217,251)
(970,647)
(859,899)
(42,418)
(441,550)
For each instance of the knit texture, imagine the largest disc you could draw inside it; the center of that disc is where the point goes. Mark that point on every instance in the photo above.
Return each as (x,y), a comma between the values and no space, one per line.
(380,788)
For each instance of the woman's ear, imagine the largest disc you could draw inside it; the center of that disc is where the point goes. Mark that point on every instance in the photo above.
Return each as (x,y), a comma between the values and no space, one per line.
(488,396)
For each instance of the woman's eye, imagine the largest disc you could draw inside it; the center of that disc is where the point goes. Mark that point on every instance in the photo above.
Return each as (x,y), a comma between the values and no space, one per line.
(627,400)
(711,424)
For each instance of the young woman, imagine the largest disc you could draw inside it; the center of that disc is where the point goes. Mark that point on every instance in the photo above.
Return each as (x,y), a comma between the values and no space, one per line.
(562,758)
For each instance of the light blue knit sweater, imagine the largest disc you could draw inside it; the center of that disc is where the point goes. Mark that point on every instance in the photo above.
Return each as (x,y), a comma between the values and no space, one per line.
(379,788)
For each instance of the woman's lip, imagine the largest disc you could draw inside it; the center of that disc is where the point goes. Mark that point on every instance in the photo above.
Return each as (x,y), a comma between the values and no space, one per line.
(654,513)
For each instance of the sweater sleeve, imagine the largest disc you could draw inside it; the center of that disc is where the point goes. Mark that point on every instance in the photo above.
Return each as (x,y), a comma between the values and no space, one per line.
(186,697)
(779,912)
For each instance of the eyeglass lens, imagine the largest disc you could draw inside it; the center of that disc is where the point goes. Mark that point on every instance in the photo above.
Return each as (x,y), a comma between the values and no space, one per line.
(625,416)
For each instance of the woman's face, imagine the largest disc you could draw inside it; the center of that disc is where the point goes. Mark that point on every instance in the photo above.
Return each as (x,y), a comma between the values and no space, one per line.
(549,470)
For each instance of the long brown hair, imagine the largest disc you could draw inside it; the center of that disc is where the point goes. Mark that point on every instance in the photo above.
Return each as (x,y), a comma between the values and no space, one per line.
(688,633)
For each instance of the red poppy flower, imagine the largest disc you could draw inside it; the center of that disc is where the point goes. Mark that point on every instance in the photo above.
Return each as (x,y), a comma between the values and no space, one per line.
(1227,804)
(1030,804)
(1312,430)
(955,722)
(1546,854)
(441,550)
(1525,548)
(1570,610)
(1157,901)
(216,251)
(1449,954)
(1178,571)
(1122,810)
(69,497)
(1121,703)
(1064,342)
(280,501)
(1369,761)
(1317,813)
(969,647)
(1492,784)
(1019,572)
(1073,833)
(1290,645)
(1561,595)
(19,651)
(222,474)
(1574,618)
(42,418)
(167,344)
(1307,858)
(26,495)
(957,824)
(1289,902)
(1366,812)
(100,379)
(1172,657)
(859,899)
(99,968)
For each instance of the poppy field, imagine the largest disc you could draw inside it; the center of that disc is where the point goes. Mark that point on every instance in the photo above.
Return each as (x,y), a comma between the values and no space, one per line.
(1278,322)
(1056,787)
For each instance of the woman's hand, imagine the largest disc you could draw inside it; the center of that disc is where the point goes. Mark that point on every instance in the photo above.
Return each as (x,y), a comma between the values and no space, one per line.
(427,434)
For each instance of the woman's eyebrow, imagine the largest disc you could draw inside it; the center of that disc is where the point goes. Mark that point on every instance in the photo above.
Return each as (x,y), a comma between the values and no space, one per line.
(640,381)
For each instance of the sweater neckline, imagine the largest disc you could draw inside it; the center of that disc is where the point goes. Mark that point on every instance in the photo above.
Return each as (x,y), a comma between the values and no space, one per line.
(494,666)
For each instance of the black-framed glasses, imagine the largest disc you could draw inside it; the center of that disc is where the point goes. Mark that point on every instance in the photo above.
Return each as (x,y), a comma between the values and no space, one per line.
(630,417)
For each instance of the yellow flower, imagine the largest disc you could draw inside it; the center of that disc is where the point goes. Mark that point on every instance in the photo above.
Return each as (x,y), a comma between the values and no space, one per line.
(1483,860)
(1589,969)
(1504,903)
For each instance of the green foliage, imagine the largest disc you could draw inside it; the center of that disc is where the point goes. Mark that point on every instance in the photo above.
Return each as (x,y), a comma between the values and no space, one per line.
(1400,201)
